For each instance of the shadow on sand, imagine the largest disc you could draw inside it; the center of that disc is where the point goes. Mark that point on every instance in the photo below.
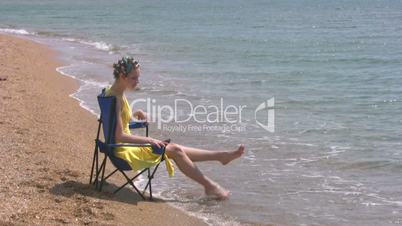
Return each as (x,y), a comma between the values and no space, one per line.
(126,195)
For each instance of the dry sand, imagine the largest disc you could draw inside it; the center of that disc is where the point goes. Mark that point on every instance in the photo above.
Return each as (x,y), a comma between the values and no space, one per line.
(46,142)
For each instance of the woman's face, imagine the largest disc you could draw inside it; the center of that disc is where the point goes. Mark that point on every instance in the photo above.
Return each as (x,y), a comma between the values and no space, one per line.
(132,78)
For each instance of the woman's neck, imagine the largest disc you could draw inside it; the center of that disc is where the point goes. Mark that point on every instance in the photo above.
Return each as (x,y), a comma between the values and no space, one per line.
(118,88)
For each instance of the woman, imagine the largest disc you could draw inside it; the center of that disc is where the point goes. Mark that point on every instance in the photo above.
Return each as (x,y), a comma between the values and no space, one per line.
(126,73)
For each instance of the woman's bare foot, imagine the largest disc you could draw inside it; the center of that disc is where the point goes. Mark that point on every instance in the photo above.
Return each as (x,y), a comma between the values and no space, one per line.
(233,155)
(217,192)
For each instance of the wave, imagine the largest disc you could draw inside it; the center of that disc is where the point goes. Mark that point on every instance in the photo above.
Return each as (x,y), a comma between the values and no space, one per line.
(371,164)
(16,31)
(98,45)
(60,70)
(86,83)
(381,201)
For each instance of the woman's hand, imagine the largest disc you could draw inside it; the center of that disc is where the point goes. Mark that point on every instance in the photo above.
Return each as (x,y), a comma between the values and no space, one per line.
(140,115)
(156,142)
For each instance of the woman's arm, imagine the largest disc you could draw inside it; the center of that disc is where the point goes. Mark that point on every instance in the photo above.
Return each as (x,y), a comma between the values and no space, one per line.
(127,138)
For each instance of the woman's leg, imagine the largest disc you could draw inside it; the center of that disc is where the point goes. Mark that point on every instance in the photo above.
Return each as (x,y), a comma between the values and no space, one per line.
(197,155)
(191,170)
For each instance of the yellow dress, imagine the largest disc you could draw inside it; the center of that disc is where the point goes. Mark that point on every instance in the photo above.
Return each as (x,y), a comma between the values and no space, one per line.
(137,157)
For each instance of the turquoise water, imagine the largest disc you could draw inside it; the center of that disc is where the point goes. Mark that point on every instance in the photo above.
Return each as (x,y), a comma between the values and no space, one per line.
(334,69)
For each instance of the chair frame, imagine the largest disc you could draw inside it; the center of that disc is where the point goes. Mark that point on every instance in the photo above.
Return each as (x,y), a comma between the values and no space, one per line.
(107,147)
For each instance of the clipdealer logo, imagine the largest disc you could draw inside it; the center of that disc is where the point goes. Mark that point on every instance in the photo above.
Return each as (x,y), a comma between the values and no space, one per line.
(208,117)
(268,106)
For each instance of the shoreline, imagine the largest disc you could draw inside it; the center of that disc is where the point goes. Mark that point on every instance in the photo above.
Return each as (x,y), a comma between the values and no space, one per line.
(80,102)
(48,136)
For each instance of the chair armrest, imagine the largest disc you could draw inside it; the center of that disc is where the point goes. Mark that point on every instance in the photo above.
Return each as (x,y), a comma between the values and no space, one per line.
(159,151)
(129,145)
(138,124)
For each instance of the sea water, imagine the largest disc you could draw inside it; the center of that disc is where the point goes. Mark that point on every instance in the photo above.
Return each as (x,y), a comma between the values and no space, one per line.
(324,147)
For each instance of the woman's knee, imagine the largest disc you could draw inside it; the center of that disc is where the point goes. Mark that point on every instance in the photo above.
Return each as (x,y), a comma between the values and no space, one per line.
(174,150)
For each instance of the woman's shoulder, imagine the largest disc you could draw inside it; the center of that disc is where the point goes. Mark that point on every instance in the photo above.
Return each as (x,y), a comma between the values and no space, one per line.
(119,98)
(109,92)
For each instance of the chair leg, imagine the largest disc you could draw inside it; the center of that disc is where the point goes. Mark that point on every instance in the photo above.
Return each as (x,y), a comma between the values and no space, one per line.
(132,184)
(98,172)
(103,173)
(111,174)
(150,177)
(97,167)
(117,190)
(96,151)
(93,164)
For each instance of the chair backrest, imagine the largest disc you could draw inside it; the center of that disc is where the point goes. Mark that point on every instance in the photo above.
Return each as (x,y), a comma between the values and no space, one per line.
(107,105)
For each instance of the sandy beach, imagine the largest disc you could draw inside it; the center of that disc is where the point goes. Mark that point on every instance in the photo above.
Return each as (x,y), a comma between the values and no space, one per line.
(47,145)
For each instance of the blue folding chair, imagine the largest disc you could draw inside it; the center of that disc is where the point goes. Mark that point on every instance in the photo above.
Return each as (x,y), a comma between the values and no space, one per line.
(107,121)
